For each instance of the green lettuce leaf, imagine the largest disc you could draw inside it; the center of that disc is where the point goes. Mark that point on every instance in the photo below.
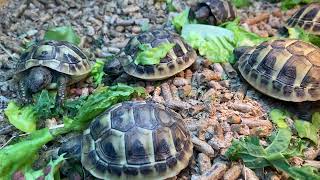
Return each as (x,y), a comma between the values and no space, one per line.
(97,72)
(306,129)
(96,103)
(24,118)
(299,33)
(63,33)
(150,56)
(181,20)
(241,36)
(47,173)
(17,156)
(44,105)
(278,117)
(241,3)
(212,42)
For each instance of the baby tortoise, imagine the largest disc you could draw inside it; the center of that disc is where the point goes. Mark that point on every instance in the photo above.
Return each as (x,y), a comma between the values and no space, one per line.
(133,140)
(307,17)
(213,12)
(180,57)
(50,64)
(285,69)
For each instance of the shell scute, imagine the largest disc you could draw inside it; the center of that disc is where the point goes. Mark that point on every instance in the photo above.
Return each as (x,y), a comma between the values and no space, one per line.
(290,73)
(148,149)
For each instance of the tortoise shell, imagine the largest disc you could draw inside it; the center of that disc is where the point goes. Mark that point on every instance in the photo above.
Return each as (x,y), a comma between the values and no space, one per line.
(307,17)
(60,56)
(136,140)
(285,69)
(180,57)
(220,11)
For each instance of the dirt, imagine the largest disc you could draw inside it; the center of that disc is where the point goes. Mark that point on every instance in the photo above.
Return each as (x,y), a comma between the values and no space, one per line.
(216,104)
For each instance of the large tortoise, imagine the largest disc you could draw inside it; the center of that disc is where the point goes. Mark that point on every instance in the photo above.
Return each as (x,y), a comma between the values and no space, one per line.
(50,64)
(179,58)
(214,12)
(307,17)
(284,69)
(133,140)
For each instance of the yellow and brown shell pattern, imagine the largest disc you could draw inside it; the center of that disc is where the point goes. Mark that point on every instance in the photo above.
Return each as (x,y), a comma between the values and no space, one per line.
(285,69)
(307,17)
(60,56)
(136,140)
(177,59)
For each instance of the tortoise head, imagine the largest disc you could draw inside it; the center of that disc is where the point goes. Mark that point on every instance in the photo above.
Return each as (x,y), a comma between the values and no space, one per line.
(201,13)
(113,67)
(38,79)
(72,148)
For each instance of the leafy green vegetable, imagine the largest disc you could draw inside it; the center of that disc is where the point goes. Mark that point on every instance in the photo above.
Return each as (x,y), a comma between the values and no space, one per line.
(97,72)
(45,104)
(255,156)
(96,103)
(181,20)
(289,4)
(215,43)
(170,6)
(241,3)
(299,33)
(63,33)
(278,117)
(241,36)
(46,173)
(307,130)
(24,118)
(150,56)
(17,156)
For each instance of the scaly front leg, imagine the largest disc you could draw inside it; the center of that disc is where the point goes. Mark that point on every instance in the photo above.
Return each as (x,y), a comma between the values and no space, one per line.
(62,84)
(25,96)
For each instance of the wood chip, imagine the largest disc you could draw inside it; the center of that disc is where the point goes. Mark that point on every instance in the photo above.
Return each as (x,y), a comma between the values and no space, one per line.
(202,146)
(233,173)
(248,174)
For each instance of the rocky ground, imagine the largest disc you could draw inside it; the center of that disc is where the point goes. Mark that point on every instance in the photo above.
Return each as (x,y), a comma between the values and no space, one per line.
(216,105)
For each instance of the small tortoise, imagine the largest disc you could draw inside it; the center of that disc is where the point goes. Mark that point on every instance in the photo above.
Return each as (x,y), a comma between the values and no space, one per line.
(133,140)
(50,64)
(213,12)
(307,17)
(180,57)
(285,69)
